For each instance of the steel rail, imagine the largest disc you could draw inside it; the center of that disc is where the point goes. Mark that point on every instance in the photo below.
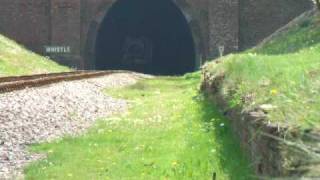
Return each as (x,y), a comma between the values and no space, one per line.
(13,83)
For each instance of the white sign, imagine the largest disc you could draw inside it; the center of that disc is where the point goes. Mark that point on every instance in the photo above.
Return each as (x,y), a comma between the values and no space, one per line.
(221,50)
(57,49)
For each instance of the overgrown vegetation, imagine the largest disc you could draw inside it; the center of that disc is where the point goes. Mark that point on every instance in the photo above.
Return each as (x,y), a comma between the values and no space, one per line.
(284,74)
(170,132)
(15,60)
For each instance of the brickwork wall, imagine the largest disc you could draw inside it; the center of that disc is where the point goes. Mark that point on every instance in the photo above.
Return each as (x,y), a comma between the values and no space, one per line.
(26,21)
(199,13)
(65,30)
(92,14)
(223,26)
(260,18)
(231,23)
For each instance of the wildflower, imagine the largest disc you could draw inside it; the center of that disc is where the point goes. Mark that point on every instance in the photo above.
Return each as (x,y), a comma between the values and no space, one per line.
(174,163)
(100,131)
(70,175)
(222,125)
(252,54)
(274,92)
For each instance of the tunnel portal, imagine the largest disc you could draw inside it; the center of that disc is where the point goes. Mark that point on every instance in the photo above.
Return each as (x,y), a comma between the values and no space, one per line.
(149,36)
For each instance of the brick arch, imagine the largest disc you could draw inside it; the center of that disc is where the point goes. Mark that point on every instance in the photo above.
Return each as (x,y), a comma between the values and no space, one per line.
(102,11)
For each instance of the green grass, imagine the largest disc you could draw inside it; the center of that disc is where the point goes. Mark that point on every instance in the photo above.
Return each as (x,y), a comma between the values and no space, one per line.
(284,72)
(16,60)
(170,132)
(304,34)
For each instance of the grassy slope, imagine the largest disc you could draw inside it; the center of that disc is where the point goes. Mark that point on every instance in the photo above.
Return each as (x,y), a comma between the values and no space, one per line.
(15,60)
(169,133)
(284,72)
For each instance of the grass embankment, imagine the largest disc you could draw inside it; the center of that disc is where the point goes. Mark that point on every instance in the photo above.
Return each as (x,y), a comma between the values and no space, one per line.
(283,73)
(16,60)
(170,132)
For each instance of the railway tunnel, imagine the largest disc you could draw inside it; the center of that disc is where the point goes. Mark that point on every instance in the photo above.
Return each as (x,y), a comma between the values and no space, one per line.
(148,36)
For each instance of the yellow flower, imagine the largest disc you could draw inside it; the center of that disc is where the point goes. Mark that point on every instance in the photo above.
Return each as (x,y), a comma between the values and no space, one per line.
(274,92)
(174,163)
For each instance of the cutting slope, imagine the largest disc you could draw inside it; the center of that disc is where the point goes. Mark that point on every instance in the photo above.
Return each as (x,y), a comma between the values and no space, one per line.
(16,60)
(282,74)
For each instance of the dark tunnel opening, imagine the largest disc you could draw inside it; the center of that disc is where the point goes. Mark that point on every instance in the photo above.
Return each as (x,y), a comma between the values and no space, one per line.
(149,36)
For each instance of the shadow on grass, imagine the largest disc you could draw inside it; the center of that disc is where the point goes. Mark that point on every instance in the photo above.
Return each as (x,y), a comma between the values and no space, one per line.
(231,157)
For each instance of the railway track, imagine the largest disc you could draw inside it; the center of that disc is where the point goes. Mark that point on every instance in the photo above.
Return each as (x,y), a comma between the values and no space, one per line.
(13,83)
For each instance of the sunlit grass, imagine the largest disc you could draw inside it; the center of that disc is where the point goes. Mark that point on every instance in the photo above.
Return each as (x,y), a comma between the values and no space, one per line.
(304,34)
(16,60)
(284,73)
(170,132)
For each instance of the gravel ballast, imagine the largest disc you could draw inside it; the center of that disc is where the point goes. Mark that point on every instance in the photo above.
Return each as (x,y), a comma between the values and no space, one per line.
(47,113)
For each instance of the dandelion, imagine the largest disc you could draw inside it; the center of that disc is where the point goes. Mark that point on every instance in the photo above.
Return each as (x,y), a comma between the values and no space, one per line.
(274,92)
(70,175)
(174,163)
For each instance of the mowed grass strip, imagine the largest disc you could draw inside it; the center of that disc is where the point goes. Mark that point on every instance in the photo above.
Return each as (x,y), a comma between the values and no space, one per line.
(170,132)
